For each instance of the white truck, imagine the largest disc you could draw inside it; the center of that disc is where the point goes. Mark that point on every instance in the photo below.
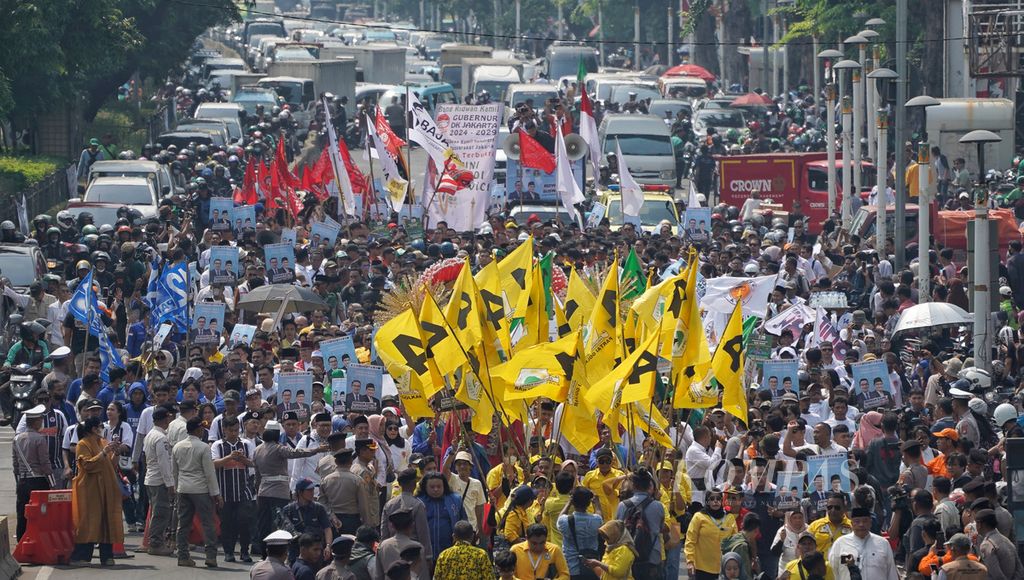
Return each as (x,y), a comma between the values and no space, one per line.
(380,62)
(492,74)
(337,76)
(954,118)
(452,56)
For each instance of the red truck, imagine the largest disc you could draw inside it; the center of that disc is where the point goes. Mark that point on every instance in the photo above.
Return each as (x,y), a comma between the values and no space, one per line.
(784,178)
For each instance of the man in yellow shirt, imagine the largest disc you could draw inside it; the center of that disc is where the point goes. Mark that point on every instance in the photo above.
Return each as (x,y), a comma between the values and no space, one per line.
(508,471)
(537,555)
(910,177)
(594,481)
(554,504)
(835,523)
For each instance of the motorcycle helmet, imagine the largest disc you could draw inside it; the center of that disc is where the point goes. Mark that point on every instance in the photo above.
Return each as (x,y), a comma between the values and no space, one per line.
(83,265)
(42,218)
(30,329)
(89,230)
(65,218)
(7,225)
(53,231)
(977,379)
(97,256)
(978,406)
(106,229)
(91,240)
(1003,413)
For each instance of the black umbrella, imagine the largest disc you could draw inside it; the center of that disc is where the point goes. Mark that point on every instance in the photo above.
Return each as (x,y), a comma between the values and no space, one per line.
(270,298)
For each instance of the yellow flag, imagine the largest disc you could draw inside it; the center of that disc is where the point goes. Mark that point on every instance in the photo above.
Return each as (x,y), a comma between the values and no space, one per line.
(515,271)
(410,391)
(691,357)
(400,347)
(561,322)
(443,349)
(649,419)
(534,326)
(544,370)
(463,310)
(579,422)
(600,333)
(727,366)
(579,301)
(495,323)
(632,380)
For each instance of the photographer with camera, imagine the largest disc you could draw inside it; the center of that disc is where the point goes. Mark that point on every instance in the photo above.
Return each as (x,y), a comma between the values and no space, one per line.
(862,554)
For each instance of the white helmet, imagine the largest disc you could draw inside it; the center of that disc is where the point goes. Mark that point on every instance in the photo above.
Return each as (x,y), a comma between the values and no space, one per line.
(1003,413)
(979,378)
(978,406)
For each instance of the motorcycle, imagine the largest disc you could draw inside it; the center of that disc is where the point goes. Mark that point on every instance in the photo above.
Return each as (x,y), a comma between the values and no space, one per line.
(22,383)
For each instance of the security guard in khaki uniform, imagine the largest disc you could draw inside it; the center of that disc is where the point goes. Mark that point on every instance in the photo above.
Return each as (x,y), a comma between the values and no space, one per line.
(961,568)
(274,567)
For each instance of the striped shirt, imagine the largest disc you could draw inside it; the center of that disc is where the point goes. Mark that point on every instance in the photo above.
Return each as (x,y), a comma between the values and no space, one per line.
(234,480)
(54,425)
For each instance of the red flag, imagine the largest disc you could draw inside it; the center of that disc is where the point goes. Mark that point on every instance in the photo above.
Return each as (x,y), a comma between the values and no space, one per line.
(359,182)
(393,143)
(247,194)
(264,180)
(454,179)
(533,154)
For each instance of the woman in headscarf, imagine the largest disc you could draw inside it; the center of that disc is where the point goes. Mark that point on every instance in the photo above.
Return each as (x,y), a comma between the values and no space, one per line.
(619,553)
(869,430)
(703,547)
(377,433)
(400,450)
(731,566)
(786,538)
(96,495)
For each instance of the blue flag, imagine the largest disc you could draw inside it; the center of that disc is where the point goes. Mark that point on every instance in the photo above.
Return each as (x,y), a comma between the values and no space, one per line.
(168,294)
(85,308)
(108,357)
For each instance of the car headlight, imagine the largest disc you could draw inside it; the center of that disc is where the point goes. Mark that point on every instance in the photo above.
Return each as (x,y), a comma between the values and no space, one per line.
(667,174)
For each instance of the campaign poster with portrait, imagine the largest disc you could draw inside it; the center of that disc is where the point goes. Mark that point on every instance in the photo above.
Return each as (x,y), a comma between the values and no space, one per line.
(338,395)
(338,353)
(207,322)
(288,236)
(325,231)
(697,224)
(280,263)
(826,474)
(872,388)
(223,265)
(243,218)
(294,393)
(162,332)
(220,213)
(363,387)
(789,490)
(779,377)
(242,334)
(532,185)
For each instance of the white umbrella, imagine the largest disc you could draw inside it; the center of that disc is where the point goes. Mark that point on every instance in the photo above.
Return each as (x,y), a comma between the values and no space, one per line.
(931,314)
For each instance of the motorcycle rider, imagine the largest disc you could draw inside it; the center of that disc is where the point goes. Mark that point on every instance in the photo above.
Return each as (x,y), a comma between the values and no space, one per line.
(9,234)
(54,248)
(31,349)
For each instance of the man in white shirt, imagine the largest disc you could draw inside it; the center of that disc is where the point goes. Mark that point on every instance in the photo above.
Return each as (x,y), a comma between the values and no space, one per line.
(869,552)
(305,467)
(159,481)
(700,458)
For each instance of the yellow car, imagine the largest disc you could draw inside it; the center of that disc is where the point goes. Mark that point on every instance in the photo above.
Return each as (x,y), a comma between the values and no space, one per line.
(659,205)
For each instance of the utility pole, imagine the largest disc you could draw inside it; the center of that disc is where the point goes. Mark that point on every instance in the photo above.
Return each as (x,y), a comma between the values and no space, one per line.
(636,35)
(882,199)
(900,238)
(670,45)
(764,41)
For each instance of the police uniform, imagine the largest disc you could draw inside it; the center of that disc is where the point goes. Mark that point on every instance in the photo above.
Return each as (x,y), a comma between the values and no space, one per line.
(341,548)
(32,467)
(272,568)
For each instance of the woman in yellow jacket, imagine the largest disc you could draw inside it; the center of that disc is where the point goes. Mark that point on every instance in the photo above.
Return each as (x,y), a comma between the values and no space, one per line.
(516,520)
(619,553)
(703,547)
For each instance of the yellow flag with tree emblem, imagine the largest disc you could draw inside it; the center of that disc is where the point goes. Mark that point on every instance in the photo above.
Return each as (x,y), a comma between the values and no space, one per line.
(543,370)
(727,366)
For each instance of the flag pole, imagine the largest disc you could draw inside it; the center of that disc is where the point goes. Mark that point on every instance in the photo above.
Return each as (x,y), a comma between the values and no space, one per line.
(88,322)
(369,158)
(410,196)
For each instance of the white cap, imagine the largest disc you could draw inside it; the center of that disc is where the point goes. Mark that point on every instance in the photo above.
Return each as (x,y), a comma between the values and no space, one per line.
(1005,290)
(60,352)
(272,426)
(278,538)
(35,412)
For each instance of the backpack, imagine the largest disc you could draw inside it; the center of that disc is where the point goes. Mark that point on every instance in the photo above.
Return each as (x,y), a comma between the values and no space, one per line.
(643,536)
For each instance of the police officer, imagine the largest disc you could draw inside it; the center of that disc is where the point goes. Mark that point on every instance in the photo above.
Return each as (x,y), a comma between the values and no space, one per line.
(274,567)
(341,550)
(32,466)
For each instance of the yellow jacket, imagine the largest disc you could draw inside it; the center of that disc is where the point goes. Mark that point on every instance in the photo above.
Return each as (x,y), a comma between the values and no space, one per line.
(515,525)
(620,563)
(552,556)
(704,537)
(825,533)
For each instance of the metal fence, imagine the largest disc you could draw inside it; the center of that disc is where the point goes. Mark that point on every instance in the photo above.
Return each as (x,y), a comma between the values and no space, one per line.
(55,189)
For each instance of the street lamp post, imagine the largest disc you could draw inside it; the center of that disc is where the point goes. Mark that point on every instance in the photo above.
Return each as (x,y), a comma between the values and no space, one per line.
(881,75)
(849,171)
(982,304)
(830,120)
(858,107)
(870,61)
(924,202)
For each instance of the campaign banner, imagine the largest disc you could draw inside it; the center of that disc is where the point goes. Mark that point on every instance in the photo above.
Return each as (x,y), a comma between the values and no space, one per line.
(363,387)
(294,393)
(532,185)
(471,130)
(780,378)
(207,322)
(242,334)
(280,263)
(325,231)
(223,265)
(220,213)
(872,387)
(288,236)
(243,218)
(338,353)
(697,224)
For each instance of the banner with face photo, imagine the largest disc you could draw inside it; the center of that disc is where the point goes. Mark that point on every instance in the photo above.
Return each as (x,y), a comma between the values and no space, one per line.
(288,236)
(162,332)
(294,393)
(826,474)
(338,353)
(697,224)
(223,268)
(780,377)
(243,218)
(872,388)
(325,231)
(207,323)
(363,387)
(220,213)
(338,395)
(280,263)
(241,334)
(789,490)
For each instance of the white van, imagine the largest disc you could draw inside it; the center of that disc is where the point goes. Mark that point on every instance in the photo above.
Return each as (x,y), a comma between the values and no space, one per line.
(646,144)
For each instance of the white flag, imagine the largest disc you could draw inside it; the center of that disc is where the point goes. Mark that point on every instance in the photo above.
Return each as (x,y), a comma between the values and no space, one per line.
(692,200)
(588,130)
(394,185)
(22,215)
(632,194)
(423,131)
(348,199)
(568,190)
(722,293)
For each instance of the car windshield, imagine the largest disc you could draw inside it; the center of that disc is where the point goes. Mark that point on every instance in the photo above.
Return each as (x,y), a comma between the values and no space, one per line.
(721,118)
(17,267)
(668,109)
(651,212)
(538,97)
(271,28)
(130,194)
(640,145)
(290,92)
(620,94)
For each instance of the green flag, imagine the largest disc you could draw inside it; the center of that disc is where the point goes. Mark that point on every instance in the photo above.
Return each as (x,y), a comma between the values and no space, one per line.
(632,281)
(545,265)
(581,73)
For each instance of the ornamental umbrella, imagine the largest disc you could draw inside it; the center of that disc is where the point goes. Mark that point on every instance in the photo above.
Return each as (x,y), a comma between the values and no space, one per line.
(751,100)
(281,298)
(931,314)
(691,70)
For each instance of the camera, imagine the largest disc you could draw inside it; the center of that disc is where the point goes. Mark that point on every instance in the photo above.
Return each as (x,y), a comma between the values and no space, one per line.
(900,496)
